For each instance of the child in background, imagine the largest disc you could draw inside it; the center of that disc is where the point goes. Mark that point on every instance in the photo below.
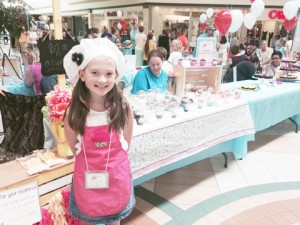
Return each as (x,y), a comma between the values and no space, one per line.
(98,125)
(176,52)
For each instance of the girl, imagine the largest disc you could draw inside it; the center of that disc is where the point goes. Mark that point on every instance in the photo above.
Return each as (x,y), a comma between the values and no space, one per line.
(98,126)
(176,52)
(149,45)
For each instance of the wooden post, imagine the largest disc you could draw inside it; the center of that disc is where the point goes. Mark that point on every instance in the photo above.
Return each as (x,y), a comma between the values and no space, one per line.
(58,35)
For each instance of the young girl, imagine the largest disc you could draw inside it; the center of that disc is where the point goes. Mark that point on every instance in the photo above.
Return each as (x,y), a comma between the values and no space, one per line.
(98,127)
(176,52)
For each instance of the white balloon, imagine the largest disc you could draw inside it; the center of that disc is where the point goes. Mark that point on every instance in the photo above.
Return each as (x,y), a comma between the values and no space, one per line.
(210,12)
(290,9)
(297,3)
(119,13)
(237,20)
(257,7)
(203,18)
(119,26)
(249,20)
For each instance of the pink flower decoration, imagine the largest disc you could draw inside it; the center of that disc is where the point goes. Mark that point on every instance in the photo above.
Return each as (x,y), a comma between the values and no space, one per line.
(58,101)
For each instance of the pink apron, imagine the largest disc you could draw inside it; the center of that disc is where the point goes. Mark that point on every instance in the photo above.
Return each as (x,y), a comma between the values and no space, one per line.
(107,201)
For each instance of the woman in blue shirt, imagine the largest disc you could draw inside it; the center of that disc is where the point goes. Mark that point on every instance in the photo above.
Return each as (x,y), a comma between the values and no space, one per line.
(152,76)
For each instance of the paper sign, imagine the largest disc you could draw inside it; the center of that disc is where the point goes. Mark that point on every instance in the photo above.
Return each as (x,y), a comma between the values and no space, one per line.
(206,48)
(20,205)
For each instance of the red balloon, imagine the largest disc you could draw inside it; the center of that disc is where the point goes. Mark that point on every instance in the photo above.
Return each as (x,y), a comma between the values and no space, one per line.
(252,1)
(203,26)
(290,24)
(223,21)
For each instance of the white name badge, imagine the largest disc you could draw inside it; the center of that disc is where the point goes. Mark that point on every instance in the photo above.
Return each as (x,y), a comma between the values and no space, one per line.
(95,180)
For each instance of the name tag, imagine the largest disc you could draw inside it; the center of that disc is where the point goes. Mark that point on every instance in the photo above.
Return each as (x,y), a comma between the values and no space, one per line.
(95,180)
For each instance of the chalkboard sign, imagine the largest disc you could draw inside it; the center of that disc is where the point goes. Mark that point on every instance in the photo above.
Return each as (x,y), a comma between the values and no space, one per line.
(52,54)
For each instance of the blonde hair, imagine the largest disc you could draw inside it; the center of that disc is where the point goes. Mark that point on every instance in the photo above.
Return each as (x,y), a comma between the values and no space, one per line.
(34,53)
(176,45)
(282,41)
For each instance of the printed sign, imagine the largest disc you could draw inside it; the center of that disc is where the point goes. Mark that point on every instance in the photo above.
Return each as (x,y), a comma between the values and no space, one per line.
(52,54)
(20,205)
(206,48)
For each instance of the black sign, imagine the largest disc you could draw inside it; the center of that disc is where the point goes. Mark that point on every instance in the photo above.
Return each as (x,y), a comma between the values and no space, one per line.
(52,54)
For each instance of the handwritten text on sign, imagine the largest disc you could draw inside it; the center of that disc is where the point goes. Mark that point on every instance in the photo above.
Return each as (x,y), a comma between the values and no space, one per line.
(20,205)
(52,55)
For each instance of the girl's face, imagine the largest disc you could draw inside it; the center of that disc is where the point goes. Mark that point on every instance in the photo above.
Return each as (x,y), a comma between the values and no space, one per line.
(99,76)
(155,65)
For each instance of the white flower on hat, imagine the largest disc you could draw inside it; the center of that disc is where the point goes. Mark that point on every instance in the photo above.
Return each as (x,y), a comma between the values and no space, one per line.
(91,48)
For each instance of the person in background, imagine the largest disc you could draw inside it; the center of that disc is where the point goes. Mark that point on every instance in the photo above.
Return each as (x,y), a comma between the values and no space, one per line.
(98,125)
(254,43)
(32,77)
(154,38)
(106,34)
(48,83)
(277,42)
(266,52)
(5,37)
(115,36)
(24,42)
(163,41)
(151,77)
(149,45)
(243,44)
(134,31)
(236,58)
(275,64)
(224,48)
(140,39)
(183,39)
(289,43)
(94,33)
(283,48)
(32,37)
(209,31)
(245,70)
(176,52)
(248,51)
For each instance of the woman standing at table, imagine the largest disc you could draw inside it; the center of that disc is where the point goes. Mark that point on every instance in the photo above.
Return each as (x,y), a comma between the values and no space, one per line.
(152,76)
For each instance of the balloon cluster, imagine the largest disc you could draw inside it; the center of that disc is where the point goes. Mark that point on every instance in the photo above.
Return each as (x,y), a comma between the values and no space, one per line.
(231,20)
(204,16)
(290,10)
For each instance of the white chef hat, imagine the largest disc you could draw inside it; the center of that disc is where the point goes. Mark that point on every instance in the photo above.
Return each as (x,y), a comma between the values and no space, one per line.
(91,48)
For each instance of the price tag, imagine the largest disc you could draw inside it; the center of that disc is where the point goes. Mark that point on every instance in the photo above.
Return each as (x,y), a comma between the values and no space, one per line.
(94,180)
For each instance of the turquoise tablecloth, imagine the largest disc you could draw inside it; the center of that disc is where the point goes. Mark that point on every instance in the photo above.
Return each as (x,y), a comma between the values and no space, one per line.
(271,104)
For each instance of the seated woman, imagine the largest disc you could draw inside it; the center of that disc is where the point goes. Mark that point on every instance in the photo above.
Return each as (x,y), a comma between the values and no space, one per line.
(244,70)
(152,76)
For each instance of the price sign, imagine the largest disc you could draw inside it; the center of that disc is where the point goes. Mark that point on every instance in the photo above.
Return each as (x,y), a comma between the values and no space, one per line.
(52,54)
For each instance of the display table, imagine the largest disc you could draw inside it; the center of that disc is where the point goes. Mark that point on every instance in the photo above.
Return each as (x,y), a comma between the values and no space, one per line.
(159,147)
(272,103)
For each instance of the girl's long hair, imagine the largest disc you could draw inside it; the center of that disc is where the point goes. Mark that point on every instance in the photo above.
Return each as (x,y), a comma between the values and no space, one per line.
(79,108)
(147,47)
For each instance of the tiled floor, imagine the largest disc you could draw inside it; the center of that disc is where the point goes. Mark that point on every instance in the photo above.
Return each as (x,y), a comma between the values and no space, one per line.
(262,189)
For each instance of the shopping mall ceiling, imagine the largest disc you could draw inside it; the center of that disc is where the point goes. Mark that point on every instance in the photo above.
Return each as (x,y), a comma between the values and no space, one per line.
(73,6)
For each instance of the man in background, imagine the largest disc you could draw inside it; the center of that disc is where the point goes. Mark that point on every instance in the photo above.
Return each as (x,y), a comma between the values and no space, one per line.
(266,52)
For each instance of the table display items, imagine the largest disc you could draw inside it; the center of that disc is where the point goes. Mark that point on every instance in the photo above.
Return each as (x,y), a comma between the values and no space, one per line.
(40,160)
(152,106)
(287,72)
(57,102)
(202,77)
